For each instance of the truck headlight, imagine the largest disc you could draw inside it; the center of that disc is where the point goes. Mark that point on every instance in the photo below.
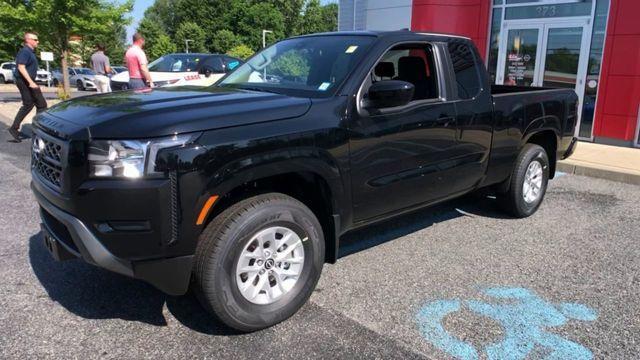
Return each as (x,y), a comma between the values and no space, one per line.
(129,158)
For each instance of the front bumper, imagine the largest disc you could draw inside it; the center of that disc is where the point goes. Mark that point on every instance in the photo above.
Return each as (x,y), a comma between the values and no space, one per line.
(88,85)
(67,237)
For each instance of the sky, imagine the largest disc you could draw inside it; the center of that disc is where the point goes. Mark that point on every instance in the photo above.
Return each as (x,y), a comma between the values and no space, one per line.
(141,5)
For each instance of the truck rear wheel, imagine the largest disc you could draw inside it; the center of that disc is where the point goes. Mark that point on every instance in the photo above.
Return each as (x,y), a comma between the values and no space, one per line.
(259,261)
(528,183)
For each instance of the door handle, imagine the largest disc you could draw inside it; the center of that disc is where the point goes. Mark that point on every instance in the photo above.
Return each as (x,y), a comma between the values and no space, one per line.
(444,121)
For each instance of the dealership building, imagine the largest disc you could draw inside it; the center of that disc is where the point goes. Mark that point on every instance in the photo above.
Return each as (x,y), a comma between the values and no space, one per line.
(592,46)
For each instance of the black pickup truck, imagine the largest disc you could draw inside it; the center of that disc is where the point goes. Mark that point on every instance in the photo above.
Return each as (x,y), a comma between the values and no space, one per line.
(244,189)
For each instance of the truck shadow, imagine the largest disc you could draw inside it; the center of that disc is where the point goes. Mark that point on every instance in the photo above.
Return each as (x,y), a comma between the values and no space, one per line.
(474,205)
(92,293)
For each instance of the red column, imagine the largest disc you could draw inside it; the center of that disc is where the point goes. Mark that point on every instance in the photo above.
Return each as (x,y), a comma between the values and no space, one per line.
(619,91)
(468,18)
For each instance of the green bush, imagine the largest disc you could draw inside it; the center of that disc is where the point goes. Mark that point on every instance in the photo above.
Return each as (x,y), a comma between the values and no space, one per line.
(241,52)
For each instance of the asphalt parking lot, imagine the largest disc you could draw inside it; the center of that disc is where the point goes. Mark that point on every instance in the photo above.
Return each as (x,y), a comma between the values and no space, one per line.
(458,280)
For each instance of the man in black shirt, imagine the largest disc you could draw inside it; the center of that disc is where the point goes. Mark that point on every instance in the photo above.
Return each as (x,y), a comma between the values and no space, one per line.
(25,74)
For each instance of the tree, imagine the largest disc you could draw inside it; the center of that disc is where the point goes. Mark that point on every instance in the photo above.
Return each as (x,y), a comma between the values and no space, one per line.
(223,41)
(291,11)
(157,42)
(227,23)
(57,21)
(191,31)
(256,18)
(163,13)
(241,52)
(162,46)
(318,18)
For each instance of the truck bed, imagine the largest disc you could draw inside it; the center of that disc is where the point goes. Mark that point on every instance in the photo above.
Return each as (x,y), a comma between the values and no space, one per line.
(517,108)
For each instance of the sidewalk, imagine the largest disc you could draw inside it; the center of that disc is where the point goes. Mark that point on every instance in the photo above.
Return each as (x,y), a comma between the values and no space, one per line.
(605,162)
(11,88)
(8,111)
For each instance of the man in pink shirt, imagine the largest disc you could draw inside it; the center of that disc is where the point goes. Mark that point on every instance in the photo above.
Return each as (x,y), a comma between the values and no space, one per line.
(139,76)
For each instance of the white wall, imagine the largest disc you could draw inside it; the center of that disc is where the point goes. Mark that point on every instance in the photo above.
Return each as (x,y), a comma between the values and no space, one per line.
(374,15)
(388,14)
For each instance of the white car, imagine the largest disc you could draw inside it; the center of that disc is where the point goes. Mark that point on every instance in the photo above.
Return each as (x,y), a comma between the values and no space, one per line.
(82,78)
(6,72)
(183,69)
(43,77)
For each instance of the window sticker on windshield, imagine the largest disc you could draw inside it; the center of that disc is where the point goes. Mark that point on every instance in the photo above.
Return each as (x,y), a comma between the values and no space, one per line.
(324,86)
(351,49)
(232,65)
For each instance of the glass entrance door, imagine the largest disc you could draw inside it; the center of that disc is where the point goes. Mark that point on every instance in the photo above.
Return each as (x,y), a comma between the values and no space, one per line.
(552,54)
(520,56)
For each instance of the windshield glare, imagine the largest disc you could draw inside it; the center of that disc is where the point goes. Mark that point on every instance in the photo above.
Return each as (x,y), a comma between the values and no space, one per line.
(308,66)
(176,63)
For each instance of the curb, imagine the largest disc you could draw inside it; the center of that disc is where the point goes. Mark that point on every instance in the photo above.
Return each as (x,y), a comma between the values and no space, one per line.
(594,172)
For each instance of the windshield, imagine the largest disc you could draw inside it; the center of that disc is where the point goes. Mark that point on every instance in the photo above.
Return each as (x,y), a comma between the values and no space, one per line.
(176,63)
(313,66)
(85,71)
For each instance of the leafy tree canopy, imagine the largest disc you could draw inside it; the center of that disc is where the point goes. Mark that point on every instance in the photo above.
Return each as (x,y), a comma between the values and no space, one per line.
(241,52)
(228,23)
(58,21)
(191,31)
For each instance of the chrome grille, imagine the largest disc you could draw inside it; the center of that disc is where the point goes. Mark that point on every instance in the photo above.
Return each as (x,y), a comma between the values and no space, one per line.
(46,160)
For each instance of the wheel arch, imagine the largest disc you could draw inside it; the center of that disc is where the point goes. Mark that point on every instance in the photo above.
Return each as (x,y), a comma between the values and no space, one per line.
(315,183)
(548,139)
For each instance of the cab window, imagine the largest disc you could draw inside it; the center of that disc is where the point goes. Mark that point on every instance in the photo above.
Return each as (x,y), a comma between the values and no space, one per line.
(465,68)
(412,63)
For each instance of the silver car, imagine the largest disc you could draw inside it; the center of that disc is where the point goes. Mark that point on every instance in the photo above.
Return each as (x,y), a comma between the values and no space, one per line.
(82,78)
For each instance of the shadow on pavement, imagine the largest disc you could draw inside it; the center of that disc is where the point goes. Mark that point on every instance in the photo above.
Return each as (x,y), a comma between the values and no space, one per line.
(471,205)
(92,293)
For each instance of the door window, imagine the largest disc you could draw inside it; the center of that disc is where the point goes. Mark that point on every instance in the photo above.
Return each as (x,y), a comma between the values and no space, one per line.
(413,64)
(212,65)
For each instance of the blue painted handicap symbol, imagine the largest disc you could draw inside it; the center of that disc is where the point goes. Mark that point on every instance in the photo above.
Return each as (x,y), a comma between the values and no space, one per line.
(525,318)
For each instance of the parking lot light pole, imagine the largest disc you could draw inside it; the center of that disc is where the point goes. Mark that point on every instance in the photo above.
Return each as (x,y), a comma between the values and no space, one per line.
(264,37)
(264,45)
(186,45)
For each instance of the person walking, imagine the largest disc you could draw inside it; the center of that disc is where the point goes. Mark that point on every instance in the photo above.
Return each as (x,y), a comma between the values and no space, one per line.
(102,68)
(25,74)
(136,59)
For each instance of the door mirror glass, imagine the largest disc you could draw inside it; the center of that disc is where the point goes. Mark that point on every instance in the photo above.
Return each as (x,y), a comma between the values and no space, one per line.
(389,93)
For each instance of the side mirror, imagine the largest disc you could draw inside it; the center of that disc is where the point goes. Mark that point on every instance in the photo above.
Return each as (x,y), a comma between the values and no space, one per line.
(389,93)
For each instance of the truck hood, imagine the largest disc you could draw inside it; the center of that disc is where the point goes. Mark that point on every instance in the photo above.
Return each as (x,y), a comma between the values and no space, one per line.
(167,111)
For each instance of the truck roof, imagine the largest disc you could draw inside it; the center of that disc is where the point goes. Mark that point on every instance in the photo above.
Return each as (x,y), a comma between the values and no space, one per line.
(385,34)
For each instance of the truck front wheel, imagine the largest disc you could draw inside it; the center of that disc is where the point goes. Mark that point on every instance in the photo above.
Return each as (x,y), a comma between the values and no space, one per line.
(259,261)
(528,183)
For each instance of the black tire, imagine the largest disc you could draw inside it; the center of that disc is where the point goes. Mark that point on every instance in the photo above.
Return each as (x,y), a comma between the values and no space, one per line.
(2,79)
(513,201)
(79,85)
(221,244)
